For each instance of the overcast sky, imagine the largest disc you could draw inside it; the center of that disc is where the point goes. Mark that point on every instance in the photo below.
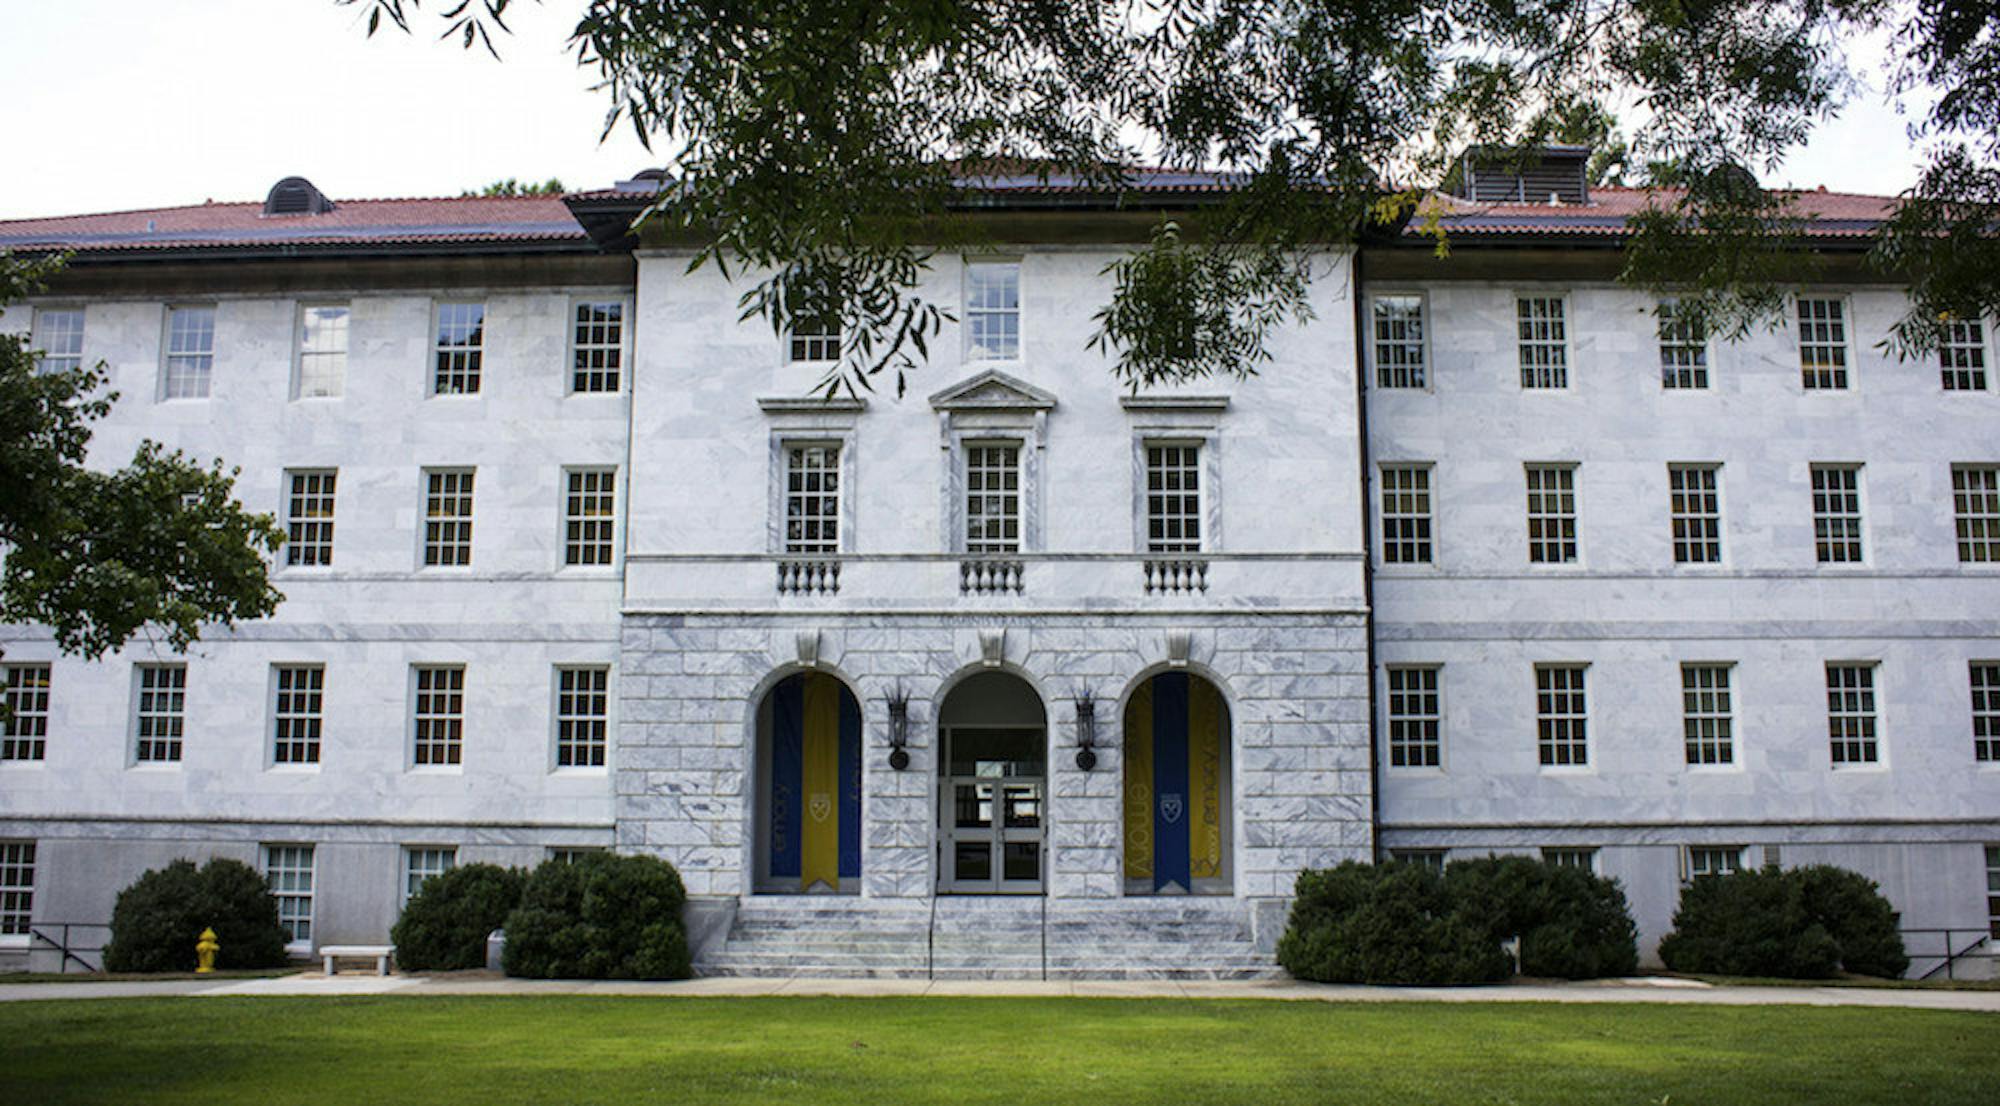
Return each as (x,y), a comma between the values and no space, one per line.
(118,104)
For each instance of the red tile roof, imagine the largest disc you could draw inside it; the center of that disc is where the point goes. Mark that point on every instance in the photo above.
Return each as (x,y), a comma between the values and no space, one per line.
(1828,214)
(352,223)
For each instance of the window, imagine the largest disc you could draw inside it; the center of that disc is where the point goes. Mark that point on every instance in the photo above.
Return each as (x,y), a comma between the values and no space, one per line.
(812,499)
(1713,860)
(1571,857)
(421,863)
(440,714)
(1986,710)
(590,514)
(190,352)
(1406,514)
(598,348)
(288,872)
(1173,498)
(1823,342)
(1544,342)
(447,517)
(59,337)
(992,311)
(17,887)
(1850,713)
(1975,505)
(1695,500)
(161,712)
(1561,729)
(570,854)
(582,706)
(993,498)
(1683,348)
(322,350)
(1836,493)
(461,343)
(1424,858)
(1552,514)
(1705,714)
(814,341)
(1992,889)
(309,517)
(1399,342)
(1414,717)
(24,725)
(1961,355)
(297,690)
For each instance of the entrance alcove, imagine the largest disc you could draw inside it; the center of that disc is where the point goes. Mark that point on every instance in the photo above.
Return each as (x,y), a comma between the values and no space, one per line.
(1177,787)
(992,787)
(807,798)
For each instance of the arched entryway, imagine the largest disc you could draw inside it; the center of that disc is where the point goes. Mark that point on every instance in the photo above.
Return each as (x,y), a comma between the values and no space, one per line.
(808,789)
(1177,794)
(992,787)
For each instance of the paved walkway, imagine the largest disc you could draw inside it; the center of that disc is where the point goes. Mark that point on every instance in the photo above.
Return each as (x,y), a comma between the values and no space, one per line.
(484,983)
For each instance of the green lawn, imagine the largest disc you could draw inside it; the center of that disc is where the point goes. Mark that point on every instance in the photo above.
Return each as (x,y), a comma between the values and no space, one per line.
(1076,1052)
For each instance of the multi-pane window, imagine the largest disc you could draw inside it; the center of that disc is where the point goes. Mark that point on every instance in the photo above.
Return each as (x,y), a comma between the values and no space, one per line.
(1975,506)
(812,499)
(590,516)
(993,498)
(447,517)
(420,863)
(1406,514)
(160,715)
(597,346)
(815,341)
(1544,341)
(297,693)
(1713,860)
(17,887)
(1695,499)
(440,714)
(1823,342)
(309,517)
(1706,719)
(322,350)
(992,311)
(1850,713)
(59,339)
(1415,717)
(461,346)
(1571,857)
(1173,498)
(1432,859)
(1399,341)
(1986,710)
(1561,721)
(288,872)
(1962,356)
(570,854)
(1993,889)
(1836,501)
(24,724)
(1683,348)
(1551,514)
(190,352)
(583,699)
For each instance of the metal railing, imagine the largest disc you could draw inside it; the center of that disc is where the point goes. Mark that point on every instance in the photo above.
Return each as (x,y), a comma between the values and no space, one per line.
(1956,949)
(63,943)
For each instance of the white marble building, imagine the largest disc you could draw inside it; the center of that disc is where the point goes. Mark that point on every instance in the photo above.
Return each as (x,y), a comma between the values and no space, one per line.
(1015,674)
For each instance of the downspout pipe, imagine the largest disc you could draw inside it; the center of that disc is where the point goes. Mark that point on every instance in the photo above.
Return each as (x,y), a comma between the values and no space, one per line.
(1359,286)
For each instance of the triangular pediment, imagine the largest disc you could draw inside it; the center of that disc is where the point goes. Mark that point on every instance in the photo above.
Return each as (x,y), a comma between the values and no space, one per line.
(993,390)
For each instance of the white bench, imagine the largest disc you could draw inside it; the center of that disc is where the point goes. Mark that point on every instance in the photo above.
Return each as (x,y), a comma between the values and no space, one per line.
(381,954)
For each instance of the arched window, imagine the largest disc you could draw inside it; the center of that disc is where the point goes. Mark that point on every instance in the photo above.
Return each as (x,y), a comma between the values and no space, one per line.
(1177,793)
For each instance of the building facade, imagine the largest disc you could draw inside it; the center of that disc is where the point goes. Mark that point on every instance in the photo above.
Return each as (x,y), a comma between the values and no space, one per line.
(1019,673)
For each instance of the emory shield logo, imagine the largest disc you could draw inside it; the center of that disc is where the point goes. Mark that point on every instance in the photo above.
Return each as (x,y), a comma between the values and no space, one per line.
(820,806)
(1170,808)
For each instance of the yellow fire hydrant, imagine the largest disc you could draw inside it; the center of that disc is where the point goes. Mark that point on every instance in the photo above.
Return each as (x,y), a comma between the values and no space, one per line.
(204,952)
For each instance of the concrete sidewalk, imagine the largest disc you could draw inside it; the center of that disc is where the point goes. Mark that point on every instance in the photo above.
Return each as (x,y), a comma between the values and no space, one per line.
(485,983)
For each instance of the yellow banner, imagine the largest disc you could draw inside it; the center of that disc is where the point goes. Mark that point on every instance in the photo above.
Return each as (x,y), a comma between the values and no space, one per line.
(1139,784)
(820,852)
(1208,724)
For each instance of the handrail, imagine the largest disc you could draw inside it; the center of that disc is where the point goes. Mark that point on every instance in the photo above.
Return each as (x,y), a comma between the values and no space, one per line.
(1949,958)
(69,952)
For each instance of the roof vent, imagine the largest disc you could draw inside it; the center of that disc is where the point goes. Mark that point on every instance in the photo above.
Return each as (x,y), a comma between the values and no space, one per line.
(1494,174)
(296,196)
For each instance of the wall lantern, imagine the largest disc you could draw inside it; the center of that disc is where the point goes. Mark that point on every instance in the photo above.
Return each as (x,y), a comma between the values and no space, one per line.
(1086,731)
(899,729)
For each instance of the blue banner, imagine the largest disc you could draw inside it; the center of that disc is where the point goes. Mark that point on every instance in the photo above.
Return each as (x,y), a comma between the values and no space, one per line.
(1170,781)
(850,785)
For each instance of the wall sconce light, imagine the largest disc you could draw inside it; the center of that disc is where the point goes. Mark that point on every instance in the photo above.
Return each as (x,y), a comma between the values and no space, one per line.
(899,729)
(1086,730)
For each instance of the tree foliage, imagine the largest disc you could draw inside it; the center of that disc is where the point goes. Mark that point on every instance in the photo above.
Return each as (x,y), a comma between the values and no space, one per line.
(818,142)
(445,924)
(511,187)
(157,920)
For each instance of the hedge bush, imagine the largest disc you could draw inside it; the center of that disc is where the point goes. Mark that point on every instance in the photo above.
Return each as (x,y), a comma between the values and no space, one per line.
(1572,923)
(601,916)
(157,920)
(445,924)
(1799,923)
(1394,923)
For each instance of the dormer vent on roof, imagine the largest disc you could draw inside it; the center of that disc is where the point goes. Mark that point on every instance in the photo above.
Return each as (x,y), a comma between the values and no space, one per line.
(1544,175)
(296,196)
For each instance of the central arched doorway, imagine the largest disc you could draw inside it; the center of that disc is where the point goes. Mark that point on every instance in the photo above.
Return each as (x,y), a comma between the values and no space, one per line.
(992,787)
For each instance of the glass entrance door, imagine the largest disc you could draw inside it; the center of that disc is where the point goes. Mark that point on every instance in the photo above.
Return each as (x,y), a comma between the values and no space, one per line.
(991,809)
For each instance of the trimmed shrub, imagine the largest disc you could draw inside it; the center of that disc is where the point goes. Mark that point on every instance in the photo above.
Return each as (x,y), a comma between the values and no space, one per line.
(600,916)
(157,920)
(1802,923)
(445,924)
(1572,923)
(1393,923)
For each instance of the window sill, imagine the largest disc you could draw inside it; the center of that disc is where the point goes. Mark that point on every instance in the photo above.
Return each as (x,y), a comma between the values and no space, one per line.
(311,769)
(586,771)
(434,769)
(163,766)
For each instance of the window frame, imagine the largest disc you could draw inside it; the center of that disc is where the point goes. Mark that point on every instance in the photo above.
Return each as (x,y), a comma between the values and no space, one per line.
(1682,524)
(38,335)
(1556,747)
(558,717)
(1692,739)
(1822,520)
(421,751)
(459,545)
(788,449)
(1425,366)
(18,857)
(1685,336)
(449,853)
(473,368)
(1842,374)
(1427,543)
(965,325)
(295,523)
(1434,741)
(1574,540)
(622,347)
(1199,468)
(267,855)
(1985,710)
(1869,746)
(613,539)
(797,342)
(139,741)
(1431,858)
(1565,350)
(14,688)
(1985,549)
(315,743)
(300,353)
(1568,856)
(1734,855)
(1019,493)
(1984,347)
(166,389)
